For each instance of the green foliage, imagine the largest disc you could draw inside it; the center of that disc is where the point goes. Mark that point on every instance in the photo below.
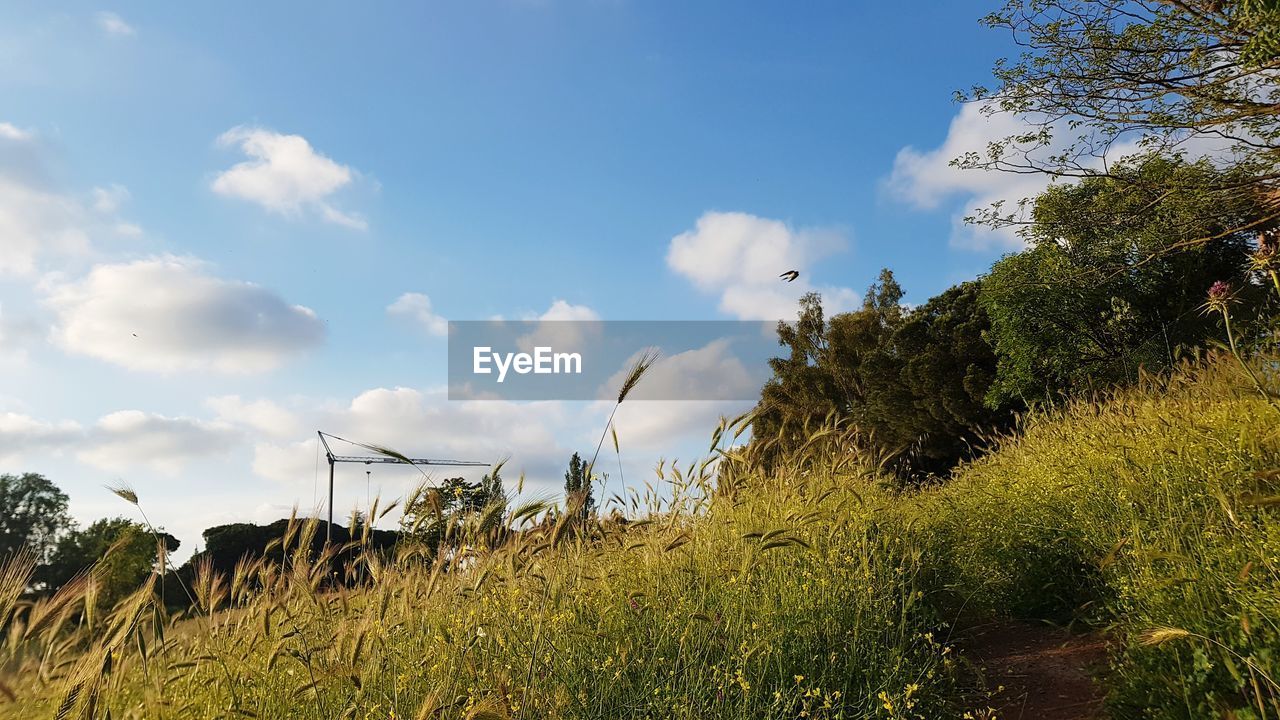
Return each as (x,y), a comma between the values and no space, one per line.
(577,487)
(1097,74)
(1159,508)
(912,380)
(33,516)
(121,552)
(946,369)
(794,601)
(1102,293)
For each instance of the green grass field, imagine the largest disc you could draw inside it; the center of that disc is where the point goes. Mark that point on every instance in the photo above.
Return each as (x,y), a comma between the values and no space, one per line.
(815,592)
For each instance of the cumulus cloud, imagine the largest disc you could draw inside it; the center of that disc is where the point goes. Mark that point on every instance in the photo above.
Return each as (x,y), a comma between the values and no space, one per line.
(121,440)
(131,438)
(926,179)
(416,308)
(738,256)
(563,326)
(649,422)
(11,132)
(168,314)
(112,24)
(20,434)
(36,223)
(562,310)
(16,335)
(285,175)
(40,223)
(424,423)
(263,416)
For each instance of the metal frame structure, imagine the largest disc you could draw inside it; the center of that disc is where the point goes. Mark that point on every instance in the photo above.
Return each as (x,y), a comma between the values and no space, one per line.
(374,460)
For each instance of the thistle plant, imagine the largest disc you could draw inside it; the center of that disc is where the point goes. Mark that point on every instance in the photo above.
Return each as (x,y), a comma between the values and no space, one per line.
(1221,297)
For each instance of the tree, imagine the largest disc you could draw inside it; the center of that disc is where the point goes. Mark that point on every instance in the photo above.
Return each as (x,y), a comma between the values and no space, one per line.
(429,512)
(34,514)
(577,487)
(495,500)
(947,368)
(913,381)
(1095,298)
(1096,75)
(122,552)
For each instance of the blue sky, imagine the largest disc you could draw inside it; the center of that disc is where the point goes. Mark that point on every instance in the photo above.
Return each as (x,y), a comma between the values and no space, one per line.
(230,223)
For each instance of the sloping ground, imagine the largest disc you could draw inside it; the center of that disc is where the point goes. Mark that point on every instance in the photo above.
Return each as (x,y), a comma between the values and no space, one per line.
(1035,671)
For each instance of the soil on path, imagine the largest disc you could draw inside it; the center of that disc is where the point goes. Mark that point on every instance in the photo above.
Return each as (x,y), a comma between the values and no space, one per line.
(1047,673)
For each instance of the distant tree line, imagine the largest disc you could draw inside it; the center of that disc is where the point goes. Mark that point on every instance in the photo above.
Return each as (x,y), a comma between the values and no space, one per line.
(123,552)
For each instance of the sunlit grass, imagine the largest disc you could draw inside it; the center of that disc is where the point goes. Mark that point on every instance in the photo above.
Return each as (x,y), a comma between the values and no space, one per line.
(809,591)
(1154,511)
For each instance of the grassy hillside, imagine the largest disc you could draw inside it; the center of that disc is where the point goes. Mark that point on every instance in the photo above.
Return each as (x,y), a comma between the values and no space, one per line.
(1155,513)
(813,593)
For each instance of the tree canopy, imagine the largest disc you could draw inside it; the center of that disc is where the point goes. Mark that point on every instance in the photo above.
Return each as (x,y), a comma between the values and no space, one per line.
(1098,78)
(34,514)
(913,381)
(1095,298)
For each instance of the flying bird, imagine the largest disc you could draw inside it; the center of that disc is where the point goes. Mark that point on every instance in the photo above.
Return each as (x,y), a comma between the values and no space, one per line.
(790,275)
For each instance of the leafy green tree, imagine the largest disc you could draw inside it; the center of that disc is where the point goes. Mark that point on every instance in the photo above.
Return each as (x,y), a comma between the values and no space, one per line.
(803,391)
(577,487)
(946,368)
(495,499)
(122,552)
(33,514)
(913,381)
(1095,298)
(1096,74)
(431,510)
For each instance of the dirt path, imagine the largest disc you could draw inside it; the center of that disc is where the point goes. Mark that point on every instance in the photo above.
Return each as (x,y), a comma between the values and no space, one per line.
(1046,672)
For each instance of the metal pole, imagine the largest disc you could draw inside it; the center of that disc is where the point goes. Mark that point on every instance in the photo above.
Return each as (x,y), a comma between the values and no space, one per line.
(328,531)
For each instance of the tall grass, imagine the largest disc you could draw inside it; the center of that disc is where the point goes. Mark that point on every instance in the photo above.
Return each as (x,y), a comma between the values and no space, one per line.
(730,592)
(1155,513)
(787,600)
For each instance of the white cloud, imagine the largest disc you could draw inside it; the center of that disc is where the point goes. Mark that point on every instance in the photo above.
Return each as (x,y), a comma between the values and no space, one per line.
(121,440)
(9,131)
(926,179)
(109,199)
(655,418)
(112,24)
(16,335)
(131,438)
(562,310)
(263,416)
(416,308)
(712,371)
(426,424)
(285,175)
(36,223)
(39,223)
(20,434)
(167,314)
(563,326)
(739,257)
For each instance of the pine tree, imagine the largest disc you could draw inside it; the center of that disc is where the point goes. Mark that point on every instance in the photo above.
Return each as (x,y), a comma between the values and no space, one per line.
(577,487)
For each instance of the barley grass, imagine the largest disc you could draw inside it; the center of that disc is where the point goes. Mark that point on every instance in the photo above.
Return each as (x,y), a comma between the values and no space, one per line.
(723,591)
